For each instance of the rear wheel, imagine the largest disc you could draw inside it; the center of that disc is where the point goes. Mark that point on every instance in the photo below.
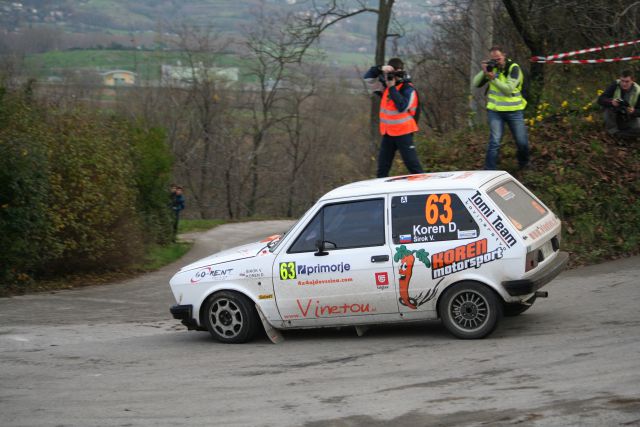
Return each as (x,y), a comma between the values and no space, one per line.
(230,317)
(511,310)
(470,310)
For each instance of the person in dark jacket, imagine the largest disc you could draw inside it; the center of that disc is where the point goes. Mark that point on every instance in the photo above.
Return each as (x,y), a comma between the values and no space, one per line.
(398,108)
(177,205)
(621,102)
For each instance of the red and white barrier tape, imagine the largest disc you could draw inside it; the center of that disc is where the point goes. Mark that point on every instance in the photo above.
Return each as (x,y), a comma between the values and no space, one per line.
(554,59)
(591,61)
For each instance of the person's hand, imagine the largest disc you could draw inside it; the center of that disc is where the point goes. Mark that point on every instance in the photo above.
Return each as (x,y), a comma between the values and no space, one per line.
(490,74)
(615,103)
(630,110)
(387,69)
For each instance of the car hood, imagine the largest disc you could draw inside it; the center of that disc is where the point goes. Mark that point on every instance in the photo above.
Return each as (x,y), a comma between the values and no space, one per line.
(233,254)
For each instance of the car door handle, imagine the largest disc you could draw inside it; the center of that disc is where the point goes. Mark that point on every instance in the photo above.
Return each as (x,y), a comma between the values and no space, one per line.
(380,258)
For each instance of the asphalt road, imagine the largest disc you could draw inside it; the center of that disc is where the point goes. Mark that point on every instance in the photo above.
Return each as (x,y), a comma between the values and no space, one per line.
(112,356)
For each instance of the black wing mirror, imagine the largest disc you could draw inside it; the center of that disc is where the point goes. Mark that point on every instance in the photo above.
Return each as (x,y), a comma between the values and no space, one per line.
(321,245)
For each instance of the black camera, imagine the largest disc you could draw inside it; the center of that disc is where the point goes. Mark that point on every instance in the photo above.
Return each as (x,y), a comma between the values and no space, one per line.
(491,64)
(398,75)
(621,109)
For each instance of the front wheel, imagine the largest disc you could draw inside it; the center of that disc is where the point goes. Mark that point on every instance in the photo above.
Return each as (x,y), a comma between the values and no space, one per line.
(470,310)
(230,317)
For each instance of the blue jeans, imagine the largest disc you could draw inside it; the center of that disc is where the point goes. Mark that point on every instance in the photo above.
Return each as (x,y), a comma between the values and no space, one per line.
(515,120)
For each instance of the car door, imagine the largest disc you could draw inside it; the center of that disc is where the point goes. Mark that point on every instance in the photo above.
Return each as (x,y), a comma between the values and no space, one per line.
(349,274)
(430,231)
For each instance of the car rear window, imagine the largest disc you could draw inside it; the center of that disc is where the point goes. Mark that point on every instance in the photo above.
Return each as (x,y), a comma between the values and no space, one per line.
(522,209)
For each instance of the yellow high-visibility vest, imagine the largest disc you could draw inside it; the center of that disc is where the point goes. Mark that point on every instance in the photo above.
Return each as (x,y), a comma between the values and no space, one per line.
(498,101)
(633,96)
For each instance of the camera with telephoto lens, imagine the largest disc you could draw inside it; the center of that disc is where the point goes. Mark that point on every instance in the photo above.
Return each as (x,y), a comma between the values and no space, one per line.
(398,75)
(621,109)
(491,64)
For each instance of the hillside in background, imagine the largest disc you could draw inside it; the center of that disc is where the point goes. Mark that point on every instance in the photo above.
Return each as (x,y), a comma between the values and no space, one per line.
(64,24)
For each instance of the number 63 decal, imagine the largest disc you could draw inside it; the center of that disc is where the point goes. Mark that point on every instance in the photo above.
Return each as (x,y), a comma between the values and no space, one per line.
(287,270)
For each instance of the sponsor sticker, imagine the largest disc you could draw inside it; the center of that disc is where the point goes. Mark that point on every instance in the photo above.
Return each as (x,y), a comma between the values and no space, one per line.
(252,273)
(382,280)
(467,234)
(211,274)
(315,307)
(541,229)
(290,270)
(504,193)
(463,257)
(493,220)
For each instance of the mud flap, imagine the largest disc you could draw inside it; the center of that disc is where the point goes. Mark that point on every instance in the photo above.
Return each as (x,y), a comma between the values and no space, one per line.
(361,330)
(274,335)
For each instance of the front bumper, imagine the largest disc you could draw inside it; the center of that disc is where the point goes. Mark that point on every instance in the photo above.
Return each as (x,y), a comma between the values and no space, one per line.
(184,313)
(539,279)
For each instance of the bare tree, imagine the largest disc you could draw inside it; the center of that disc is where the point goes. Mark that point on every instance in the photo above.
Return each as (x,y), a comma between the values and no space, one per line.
(327,13)
(273,47)
(296,142)
(481,29)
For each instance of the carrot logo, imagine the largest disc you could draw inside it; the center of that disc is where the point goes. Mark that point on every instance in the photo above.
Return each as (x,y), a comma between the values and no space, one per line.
(407,259)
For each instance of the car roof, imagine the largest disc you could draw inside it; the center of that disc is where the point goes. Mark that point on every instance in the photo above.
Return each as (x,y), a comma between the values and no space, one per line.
(454,180)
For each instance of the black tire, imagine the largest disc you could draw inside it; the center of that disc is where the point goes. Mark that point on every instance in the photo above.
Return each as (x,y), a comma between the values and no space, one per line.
(470,310)
(511,310)
(230,317)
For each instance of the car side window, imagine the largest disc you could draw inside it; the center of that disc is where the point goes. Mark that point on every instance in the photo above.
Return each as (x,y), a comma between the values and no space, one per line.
(344,225)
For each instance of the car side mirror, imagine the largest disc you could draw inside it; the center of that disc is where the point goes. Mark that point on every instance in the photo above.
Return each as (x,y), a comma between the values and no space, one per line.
(320,247)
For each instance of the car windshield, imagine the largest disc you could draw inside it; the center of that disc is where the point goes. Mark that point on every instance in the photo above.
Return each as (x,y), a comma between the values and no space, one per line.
(272,245)
(522,209)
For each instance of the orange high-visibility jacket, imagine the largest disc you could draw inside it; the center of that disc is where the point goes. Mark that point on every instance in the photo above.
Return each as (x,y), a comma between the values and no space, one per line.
(394,122)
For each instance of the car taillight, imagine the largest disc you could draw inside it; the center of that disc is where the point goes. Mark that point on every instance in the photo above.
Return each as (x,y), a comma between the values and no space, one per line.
(532,260)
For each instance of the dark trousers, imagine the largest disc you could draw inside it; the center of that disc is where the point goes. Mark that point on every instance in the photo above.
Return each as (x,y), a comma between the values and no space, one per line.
(617,124)
(176,219)
(388,147)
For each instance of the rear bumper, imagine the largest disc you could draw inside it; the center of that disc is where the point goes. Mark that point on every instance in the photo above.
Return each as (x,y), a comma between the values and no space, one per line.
(539,279)
(185,314)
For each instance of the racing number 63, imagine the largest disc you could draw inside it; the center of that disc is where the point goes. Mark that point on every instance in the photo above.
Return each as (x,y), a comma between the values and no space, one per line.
(287,270)
(432,210)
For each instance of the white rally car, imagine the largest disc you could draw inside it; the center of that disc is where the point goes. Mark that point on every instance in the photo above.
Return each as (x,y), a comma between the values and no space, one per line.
(465,247)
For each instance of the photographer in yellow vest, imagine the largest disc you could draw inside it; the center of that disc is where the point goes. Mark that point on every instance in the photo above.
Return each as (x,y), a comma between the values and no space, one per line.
(505,105)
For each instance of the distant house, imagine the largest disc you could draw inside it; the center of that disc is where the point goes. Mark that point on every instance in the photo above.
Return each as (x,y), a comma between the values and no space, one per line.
(118,78)
(178,75)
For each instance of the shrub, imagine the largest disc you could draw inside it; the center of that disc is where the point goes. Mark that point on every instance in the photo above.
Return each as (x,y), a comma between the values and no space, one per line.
(81,191)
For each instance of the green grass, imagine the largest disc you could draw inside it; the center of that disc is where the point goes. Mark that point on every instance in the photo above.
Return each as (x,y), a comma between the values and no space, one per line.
(189,225)
(147,63)
(159,256)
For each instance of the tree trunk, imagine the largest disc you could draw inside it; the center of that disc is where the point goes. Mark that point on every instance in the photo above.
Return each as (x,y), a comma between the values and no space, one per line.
(385,7)
(481,41)
(251,205)
(535,42)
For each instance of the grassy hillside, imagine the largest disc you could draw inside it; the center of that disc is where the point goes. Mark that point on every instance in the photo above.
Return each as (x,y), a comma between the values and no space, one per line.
(146,63)
(588,178)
